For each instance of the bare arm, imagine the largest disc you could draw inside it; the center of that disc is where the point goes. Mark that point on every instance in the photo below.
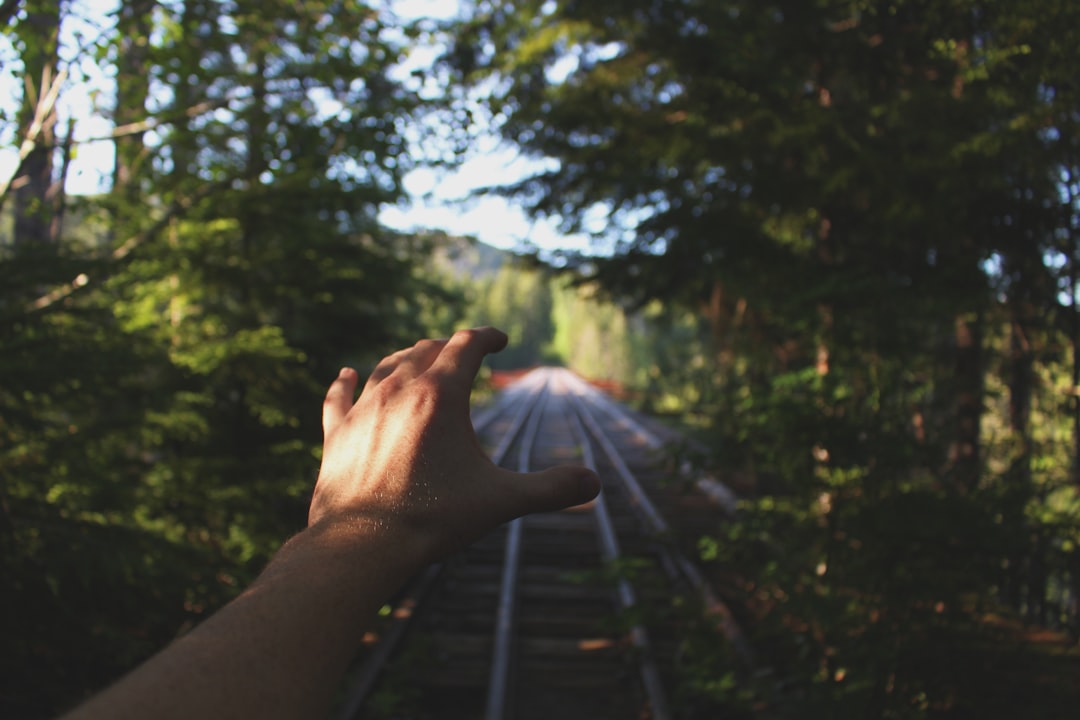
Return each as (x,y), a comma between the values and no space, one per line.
(403,481)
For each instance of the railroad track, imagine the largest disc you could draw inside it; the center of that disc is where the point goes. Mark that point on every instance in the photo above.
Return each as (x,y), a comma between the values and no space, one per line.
(559,615)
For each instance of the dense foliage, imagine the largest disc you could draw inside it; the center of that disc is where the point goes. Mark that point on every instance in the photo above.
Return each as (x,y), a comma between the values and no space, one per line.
(166,344)
(870,208)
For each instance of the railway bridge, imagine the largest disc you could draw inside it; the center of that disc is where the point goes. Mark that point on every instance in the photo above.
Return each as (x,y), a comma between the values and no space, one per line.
(582,613)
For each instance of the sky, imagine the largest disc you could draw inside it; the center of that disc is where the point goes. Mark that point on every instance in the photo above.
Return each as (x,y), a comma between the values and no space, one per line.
(436,200)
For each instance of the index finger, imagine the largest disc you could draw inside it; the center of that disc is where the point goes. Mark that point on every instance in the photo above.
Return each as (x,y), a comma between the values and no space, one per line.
(460,359)
(339,399)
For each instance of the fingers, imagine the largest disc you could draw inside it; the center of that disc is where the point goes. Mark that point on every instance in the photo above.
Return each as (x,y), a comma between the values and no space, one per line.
(407,363)
(460,359)
(419,358)
(386,366)
(339,399)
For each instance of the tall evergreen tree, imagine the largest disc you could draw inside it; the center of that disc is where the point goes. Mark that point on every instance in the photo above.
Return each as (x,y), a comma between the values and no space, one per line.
(831,187)
(163,368)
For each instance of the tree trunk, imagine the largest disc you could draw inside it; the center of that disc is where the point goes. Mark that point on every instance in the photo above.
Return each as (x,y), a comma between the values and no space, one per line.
(968,377)
(1021,386)
(197,17)
(39,32)
(1072,252)
(1021,379)
(132,92)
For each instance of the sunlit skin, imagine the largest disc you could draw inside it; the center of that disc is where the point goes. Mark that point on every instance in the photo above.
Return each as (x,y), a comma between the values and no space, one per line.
(403,481)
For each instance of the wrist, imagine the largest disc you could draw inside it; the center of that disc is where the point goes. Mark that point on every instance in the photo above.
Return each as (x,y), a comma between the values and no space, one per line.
(359,537)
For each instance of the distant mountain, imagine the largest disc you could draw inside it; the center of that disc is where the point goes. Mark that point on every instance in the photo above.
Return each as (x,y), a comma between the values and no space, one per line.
(466,257)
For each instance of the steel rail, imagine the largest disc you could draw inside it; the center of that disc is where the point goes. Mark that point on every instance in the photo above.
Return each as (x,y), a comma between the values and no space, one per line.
(506,614)
(524,403)
(522,397)
(719,493)
(609,550)
(659,527)
(506,399)
(389,641)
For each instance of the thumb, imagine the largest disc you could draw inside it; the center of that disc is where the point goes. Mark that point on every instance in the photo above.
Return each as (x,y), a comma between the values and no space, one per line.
(555,488)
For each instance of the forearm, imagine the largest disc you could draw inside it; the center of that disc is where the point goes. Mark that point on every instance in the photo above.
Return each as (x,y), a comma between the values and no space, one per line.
(278,650)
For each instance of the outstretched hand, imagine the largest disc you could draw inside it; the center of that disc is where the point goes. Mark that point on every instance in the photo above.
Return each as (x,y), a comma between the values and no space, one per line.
(405,456)
(403,481)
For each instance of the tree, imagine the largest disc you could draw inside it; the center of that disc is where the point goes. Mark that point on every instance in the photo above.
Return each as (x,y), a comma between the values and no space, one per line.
(33,184)
(843,193)
(164,362)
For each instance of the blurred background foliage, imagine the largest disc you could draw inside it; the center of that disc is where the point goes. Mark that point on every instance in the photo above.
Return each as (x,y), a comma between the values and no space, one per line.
(836,243)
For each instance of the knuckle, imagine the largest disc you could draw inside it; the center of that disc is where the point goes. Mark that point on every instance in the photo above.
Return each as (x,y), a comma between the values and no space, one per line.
(393,358)
(427,345)
(389,385)
(466,334)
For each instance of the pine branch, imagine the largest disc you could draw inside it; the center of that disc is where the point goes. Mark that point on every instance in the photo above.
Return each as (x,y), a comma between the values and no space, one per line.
(178,208)
(152,123)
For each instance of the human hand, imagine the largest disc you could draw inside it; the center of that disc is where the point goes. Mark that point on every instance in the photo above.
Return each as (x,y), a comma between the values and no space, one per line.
(405,455)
